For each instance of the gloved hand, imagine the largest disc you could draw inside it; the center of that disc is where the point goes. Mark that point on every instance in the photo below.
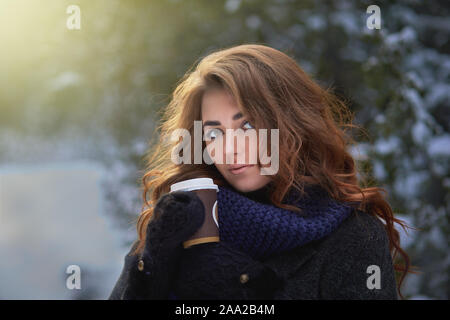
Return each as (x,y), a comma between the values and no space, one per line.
(216,271)
(176,217)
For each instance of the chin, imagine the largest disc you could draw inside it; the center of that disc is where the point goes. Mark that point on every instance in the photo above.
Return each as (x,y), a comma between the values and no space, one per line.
(247,182)
(243,187)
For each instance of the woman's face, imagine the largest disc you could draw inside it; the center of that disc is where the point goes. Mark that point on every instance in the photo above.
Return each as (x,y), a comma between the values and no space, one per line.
(219,113)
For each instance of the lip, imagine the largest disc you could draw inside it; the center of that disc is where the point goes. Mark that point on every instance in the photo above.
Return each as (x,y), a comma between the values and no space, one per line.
(237,169)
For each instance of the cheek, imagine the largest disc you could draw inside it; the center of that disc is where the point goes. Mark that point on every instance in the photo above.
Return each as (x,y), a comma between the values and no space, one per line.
(213,149)
(257,177)
(221,168)
(256,173)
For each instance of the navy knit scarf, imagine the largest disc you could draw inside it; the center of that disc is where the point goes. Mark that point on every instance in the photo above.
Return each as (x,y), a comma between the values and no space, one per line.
(249,223)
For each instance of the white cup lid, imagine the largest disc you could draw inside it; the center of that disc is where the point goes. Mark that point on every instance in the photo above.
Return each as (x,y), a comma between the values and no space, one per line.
(194,184)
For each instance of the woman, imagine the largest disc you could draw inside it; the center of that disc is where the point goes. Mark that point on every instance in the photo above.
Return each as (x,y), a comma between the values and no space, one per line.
(305,231)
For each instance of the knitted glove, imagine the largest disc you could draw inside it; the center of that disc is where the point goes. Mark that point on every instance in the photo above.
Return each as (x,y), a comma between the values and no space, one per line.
(216,271)
(177,216)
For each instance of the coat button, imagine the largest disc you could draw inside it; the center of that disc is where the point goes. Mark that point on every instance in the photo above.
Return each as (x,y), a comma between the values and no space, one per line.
(243,278)
(141,265)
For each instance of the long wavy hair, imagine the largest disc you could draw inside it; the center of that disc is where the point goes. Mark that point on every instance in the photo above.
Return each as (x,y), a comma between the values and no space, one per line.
(272,91)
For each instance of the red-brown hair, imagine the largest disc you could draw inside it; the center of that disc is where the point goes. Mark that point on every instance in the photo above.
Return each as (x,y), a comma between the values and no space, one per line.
(273,92)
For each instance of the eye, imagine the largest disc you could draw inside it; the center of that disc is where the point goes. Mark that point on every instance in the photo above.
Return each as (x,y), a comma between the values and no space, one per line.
(213,133)
(247,123)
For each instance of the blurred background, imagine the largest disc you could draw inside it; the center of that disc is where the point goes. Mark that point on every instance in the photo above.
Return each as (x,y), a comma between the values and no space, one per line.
(78,108)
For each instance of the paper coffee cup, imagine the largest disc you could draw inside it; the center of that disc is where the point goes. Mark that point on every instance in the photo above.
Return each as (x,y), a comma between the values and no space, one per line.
(206,190)
(194,184)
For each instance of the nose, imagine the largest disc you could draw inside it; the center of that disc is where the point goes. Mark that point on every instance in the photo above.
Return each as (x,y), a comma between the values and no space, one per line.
(231,152)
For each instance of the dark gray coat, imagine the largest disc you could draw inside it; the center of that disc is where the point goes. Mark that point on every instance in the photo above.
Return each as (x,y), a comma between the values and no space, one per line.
(339,266)
(336,267)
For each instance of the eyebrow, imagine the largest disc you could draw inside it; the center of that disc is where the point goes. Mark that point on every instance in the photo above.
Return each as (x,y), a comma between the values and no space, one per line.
(217,123)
